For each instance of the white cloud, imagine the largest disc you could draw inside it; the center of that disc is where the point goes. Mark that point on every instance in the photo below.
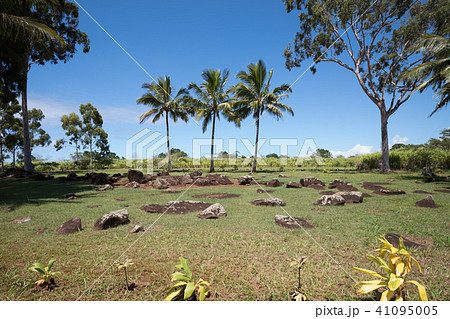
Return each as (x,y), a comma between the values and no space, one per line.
(397,139)
(358,149)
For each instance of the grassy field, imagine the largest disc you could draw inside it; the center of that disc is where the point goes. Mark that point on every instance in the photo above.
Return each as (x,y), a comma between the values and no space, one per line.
(244,256)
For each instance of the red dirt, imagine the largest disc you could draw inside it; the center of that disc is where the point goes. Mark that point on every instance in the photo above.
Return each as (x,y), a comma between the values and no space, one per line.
(421,192)
(442,190)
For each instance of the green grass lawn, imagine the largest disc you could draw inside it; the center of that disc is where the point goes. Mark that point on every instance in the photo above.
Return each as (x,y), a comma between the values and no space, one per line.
(244,256)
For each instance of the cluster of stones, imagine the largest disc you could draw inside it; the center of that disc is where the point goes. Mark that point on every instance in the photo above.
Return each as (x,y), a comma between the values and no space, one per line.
(163,180)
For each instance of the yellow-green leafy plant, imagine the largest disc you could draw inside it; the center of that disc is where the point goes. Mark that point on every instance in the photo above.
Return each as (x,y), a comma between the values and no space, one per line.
(393,278)
(325,171)
(47,275)
(185,288)
(299,294)
(126,263)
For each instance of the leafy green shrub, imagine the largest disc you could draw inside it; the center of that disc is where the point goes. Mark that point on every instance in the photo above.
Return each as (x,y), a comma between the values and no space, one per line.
(185,289)
(299,294)
(47,275)
(396,269)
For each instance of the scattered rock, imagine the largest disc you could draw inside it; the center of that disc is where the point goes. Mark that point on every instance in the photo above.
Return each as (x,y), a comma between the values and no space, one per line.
(224,180)
(394,240)
(342,186)
(39,231)
(71,196)
(330,200)
(135,176)
(274,183)
(428,172)
(216,195)
(310,181)
(214,211)
(9,208)
(282,176)
(136,229)
(21,220)
(417,182)
(163,173)
(203,181)
(291,222)
(112,219)
(293,184)
(160,183)
(132,185)
(268,202)
(351,197)
(176,207)
(147,178)
(390,192)
(195,174)
(118,175)
(107,187)
(263,191)
(71,177)
(70,226)
(245,180)
(426,202)
(421,192)
(100,178)
(43,177)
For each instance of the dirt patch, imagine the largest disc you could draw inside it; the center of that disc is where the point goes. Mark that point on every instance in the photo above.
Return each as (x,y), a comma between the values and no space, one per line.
(120,199)
(442,190)
(176,207)
(421,192)
(170,191)
(263,191)
(388,192)
(216,195)
(365,195)
(372,186)
(316,186)
(409,243)
(318,209)
(93,206)
(327,193)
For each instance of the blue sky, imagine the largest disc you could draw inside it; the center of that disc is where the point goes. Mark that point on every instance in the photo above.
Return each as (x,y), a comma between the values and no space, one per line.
(181,39)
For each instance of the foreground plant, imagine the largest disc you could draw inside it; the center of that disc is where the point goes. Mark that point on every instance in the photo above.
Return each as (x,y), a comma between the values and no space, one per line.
(298,294)
(127,262)
(399,265)
(185,288)
(47,274)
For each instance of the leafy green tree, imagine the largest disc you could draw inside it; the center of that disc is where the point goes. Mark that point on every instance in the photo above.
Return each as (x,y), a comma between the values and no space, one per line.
(376,48)
(323,153)
(272,155)
(253,97)
(212,101)
(38,136)
(443,142)
(36,32)
(435,71)
(74,131)
(162,104)
(9,125)
(93,134)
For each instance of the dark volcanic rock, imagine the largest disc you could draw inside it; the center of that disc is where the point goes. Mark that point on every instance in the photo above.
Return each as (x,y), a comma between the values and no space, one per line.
(390,192)
(107,187)
(263,191)
(163,173)
(214,211)
(160,183)
(245,180)
(428,172)
(112,219)
(71,196)
(132,185)
(291,222)
(308,181)
(330,200)
(274,183)
(100,179)
(426,202)
(135,176)
(70,227)
(421,192)
(195,174)
(176,207)
(373,186)
(351,197)
(342,186)
(268,202)
(293,184)
(394,240)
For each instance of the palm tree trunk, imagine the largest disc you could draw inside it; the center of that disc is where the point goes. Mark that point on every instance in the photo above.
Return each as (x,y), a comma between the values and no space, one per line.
(256,145)
(384,143)
(169,166)
(28,165)
(211,168)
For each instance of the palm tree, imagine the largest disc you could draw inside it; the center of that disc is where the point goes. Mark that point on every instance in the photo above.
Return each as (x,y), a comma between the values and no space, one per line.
(437,69)
(253,96)
(159,98)
(212,101)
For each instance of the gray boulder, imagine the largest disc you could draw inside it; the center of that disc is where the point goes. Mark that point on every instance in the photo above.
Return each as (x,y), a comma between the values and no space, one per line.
(135,176)
(112,219)
(427,202)
(330,200)
(132,185)
(245,180)
(136,229)
(351,197)
(214,211)
(428,172)
(160,183)
(70,227)
(107,187)
(291,222)
(293,184)
(311,182)
(269,202)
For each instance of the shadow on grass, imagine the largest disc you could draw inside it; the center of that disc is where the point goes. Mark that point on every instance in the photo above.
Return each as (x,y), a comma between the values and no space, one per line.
(19,191)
